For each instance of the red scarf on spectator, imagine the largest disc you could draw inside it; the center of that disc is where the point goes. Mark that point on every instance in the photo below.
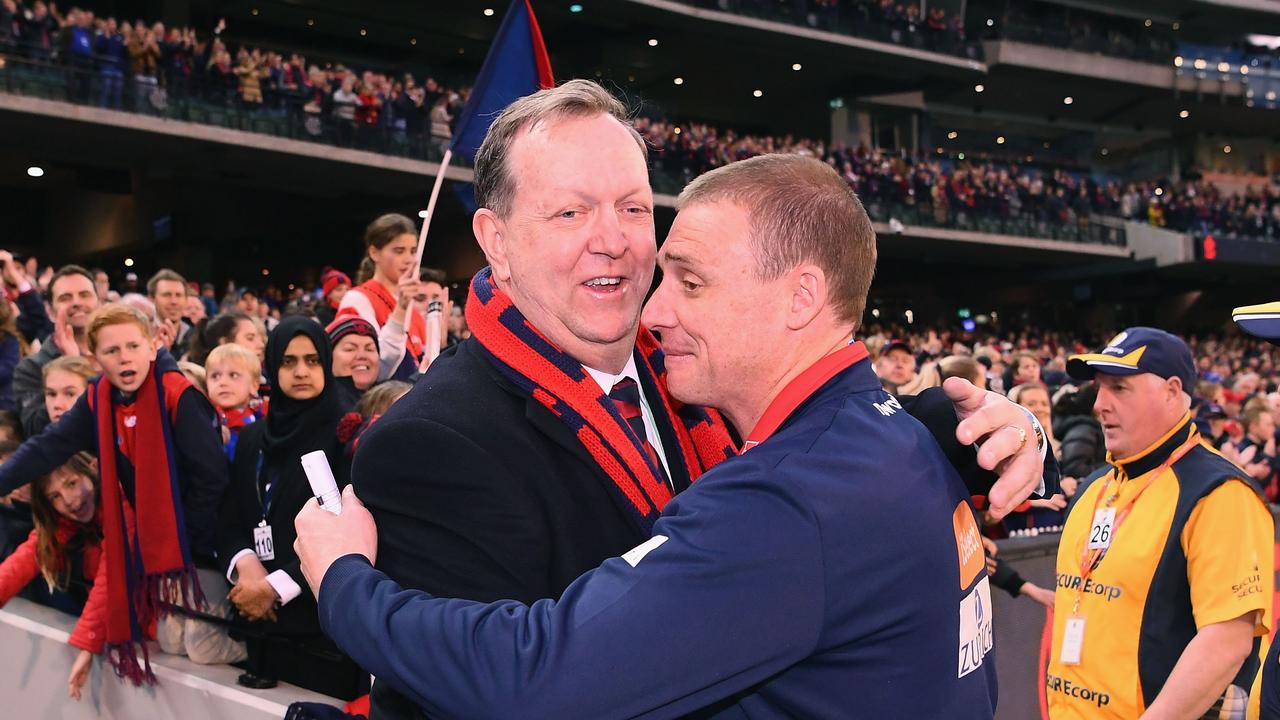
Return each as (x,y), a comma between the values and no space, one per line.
(150,567)
(560,384)
(237,418)
(384,303)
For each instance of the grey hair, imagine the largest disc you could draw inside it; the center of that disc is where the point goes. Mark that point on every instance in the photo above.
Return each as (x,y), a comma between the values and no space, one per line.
(495,187)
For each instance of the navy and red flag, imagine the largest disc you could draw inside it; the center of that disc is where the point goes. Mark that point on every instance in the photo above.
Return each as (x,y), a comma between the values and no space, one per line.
(517,65)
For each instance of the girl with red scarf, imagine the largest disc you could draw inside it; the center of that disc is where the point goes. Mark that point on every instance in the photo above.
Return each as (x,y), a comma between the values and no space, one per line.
(67,539)
(389,288)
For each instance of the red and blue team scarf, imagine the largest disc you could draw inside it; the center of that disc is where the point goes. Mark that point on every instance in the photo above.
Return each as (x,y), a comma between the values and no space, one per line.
(559,382)
(150,568)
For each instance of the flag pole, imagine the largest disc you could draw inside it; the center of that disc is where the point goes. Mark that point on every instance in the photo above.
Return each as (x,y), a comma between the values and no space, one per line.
(431,210)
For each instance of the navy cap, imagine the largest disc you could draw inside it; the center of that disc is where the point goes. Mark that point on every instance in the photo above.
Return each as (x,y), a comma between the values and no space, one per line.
(1139,350)
(1209,410)
(1260,320)
(895,344)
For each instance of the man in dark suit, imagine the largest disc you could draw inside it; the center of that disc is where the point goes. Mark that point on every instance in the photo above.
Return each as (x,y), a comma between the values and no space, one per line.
(547,443)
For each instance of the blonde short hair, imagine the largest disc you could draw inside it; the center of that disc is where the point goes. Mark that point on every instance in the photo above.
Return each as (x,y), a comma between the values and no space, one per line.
(235,354)
(75,365)
(115,314)
(194,374)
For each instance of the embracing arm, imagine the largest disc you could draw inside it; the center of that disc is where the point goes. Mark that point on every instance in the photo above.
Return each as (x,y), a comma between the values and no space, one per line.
(701,611)
(978,432)
(452,518)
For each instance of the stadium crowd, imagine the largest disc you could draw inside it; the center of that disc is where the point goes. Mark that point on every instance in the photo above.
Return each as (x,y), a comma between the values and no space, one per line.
(326,362)
(901,23)
(110,62)
(949,191)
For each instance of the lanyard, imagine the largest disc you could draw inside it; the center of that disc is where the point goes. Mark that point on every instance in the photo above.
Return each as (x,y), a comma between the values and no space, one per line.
(801,388)
(1091,559)
(264,498)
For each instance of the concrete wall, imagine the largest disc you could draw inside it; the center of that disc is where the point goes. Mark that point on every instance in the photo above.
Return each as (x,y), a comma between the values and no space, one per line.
(37,659)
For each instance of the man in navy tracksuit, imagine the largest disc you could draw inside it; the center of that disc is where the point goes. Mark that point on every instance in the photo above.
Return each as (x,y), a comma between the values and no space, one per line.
(785,582)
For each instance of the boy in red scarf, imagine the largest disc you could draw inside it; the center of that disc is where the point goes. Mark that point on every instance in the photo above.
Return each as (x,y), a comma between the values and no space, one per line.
(160,454)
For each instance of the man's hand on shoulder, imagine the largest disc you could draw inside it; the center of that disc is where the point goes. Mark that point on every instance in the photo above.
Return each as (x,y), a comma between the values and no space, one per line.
(1006,439)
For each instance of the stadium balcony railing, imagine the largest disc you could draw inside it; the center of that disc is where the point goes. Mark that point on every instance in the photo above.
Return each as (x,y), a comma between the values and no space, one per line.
(1108,43)
(858,19)
(284,117)
(280,114)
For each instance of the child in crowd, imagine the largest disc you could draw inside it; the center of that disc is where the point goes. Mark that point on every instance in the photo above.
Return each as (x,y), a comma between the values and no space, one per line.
(233,374)
(159,455)
(65,548)
(372,405)
(65,380)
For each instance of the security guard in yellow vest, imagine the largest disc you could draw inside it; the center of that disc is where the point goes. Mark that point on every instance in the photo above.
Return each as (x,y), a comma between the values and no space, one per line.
(1165,566)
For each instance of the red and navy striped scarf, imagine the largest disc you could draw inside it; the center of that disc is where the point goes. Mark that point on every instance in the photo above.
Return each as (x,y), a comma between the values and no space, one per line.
(149,566)
(560,383)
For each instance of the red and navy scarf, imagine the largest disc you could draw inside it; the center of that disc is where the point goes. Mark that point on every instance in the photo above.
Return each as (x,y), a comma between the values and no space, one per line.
(560,383)
(150,568)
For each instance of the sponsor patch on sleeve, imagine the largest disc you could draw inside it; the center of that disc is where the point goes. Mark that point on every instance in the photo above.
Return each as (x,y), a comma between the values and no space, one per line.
(637,553)
(976,633)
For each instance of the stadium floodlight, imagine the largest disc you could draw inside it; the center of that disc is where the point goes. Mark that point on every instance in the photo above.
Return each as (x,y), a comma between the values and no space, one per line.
(35,171)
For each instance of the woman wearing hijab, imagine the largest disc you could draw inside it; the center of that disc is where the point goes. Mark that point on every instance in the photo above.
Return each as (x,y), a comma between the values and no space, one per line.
(268,488)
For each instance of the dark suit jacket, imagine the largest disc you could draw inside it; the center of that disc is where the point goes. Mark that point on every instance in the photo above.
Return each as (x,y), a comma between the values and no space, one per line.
(479,492)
